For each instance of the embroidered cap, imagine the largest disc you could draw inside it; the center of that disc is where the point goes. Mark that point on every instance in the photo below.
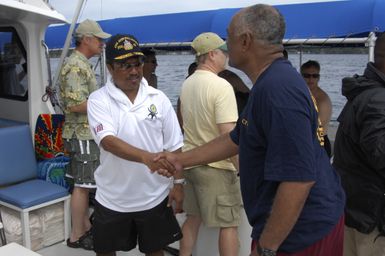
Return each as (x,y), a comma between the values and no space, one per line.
(121,47)
(207,42)
(90,27)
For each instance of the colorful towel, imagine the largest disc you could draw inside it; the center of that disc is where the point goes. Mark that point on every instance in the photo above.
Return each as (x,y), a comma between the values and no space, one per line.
(53,170)
(48,136)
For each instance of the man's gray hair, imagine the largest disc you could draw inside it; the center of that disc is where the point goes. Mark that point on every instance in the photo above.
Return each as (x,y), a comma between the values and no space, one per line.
(264,22)
(78,40)
(201,58)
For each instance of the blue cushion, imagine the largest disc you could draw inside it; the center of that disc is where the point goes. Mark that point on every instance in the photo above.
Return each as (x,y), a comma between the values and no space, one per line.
(31,193)
(17,155)
(7,122)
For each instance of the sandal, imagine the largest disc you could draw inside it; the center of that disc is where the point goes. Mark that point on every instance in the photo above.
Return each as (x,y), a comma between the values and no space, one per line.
(85,241)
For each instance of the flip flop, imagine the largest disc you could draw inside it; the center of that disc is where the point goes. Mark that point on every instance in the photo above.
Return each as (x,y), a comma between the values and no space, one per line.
(85,242)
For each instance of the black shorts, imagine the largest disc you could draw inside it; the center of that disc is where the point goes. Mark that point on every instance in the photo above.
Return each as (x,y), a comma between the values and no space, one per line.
(152,229)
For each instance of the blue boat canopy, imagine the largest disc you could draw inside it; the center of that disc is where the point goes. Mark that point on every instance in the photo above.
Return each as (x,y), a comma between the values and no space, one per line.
(304,21)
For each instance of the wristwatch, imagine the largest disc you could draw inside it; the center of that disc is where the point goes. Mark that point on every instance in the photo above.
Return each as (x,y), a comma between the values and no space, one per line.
(180,181)
(265,252)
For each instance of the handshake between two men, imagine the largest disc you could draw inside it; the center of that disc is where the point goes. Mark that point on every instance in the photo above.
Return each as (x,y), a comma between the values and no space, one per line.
(166,164)
(171,164)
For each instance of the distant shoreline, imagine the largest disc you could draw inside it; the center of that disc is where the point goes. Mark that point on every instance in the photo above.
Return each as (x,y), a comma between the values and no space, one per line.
(306,49)
(328,50)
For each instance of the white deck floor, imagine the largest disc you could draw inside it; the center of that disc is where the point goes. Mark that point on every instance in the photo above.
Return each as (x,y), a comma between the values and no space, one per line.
(61,249)
(206,244)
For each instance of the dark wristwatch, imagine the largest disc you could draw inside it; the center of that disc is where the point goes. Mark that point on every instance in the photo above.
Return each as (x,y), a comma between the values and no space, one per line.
(265,252)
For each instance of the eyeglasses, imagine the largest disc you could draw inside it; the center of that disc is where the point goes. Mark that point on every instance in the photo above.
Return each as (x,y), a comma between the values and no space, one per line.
(306,75)
(128,66)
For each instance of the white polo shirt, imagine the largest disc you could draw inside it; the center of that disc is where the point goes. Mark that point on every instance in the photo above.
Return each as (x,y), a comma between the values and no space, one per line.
(149,124)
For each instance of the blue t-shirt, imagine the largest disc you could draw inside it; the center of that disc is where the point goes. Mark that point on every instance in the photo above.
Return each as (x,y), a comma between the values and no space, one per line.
(278,141)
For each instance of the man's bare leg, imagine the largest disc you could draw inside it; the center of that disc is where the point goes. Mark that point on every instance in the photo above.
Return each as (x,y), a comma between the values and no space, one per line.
(79,213)
(228,242)
(190,230)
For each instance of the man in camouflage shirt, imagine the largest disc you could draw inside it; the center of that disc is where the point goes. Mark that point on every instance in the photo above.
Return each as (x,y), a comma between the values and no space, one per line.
(77,81)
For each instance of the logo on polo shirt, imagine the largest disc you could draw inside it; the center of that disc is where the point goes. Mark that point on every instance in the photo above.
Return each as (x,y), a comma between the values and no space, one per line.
(153,111)
(98,128)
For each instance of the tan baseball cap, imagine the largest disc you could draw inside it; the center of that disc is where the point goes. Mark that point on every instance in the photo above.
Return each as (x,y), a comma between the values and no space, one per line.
(206,42)
(91,27)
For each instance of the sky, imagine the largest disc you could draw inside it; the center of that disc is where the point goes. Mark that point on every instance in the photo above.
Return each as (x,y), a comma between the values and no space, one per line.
(109,9)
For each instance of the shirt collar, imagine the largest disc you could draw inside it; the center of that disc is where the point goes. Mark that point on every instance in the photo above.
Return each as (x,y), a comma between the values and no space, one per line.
(81,56)
(144,91)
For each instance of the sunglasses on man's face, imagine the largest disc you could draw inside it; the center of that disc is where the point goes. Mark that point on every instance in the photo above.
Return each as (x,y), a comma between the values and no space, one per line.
(307,75)
(128,66)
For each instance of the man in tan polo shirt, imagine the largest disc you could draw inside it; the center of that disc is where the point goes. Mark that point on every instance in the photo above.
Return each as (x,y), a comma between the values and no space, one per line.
(209,109)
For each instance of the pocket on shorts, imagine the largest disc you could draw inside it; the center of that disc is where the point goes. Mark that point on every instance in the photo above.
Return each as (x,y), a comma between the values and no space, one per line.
(85,167)
(228,207)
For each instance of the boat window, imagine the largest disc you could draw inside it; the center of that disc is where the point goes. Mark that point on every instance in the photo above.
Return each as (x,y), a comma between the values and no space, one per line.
(13,66)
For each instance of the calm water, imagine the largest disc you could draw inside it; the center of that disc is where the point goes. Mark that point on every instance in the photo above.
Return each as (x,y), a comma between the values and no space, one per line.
(172,70)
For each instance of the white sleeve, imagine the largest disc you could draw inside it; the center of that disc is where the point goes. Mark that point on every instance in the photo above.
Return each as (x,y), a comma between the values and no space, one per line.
(100,118)
(172,134)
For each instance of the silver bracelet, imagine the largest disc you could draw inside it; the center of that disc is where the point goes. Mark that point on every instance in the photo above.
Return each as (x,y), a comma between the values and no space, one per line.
(180,181)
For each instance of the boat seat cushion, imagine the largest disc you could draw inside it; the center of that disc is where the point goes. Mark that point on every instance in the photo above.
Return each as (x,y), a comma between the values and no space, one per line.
(17,155)
(31,193)
(7,122)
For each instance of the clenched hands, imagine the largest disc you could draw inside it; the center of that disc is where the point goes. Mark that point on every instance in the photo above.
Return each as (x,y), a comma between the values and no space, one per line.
(160,165)
(171,159)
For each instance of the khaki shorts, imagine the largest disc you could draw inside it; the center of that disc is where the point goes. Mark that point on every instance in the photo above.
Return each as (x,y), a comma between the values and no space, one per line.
(213,195)
(360,244)
(84,159)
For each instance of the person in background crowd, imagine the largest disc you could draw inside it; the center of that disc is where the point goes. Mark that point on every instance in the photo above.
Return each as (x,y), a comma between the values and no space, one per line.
(292,195)
(130,121)
(77,81)
(285,54)
(360,157)
(240,89)
(150,64)
(209,109)
(310,71)
(191,69)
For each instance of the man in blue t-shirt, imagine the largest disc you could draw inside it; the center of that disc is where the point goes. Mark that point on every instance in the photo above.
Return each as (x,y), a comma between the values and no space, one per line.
(292,196)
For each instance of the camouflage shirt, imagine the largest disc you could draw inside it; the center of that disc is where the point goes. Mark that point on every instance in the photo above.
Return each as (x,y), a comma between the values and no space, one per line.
(77,81)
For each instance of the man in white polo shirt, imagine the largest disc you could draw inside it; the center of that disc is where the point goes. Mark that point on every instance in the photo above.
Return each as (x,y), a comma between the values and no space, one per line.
(130,121)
